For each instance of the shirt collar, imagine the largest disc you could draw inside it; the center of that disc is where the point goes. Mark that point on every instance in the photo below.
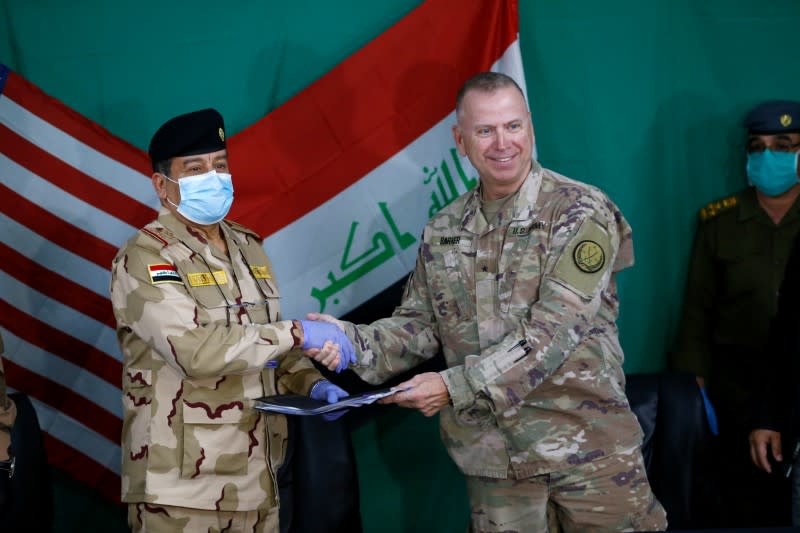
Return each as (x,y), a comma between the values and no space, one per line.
(520,207)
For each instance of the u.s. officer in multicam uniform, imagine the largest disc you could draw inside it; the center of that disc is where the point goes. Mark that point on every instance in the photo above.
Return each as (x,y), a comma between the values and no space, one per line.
(198,322)
(516,283)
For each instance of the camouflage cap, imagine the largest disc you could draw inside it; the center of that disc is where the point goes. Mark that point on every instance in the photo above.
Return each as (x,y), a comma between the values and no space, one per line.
(775,116)
(198,132)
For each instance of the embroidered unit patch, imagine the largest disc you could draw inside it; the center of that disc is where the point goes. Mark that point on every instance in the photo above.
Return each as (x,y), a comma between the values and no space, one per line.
(589,256)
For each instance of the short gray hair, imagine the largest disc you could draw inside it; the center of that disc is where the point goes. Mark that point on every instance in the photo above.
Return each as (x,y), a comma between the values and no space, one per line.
(486,82)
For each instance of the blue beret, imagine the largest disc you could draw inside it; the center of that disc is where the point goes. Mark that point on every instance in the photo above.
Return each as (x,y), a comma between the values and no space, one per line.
(776,116)
(198,132)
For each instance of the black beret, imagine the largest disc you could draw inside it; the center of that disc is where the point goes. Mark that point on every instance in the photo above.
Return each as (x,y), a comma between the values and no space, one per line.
(776,116)
(198,132)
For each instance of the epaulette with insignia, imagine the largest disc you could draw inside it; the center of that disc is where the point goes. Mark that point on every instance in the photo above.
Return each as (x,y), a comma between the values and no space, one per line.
(715,208)
(159,234)
(243,229)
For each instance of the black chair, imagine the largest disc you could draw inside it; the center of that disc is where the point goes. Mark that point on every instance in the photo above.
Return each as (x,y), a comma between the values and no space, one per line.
(26,499)
(676,446)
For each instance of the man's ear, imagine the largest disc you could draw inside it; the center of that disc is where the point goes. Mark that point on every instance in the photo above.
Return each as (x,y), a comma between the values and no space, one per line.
(458,137)
(159,184)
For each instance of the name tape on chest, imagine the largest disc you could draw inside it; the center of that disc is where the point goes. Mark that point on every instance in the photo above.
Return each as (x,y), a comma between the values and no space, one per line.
(163,273)
(204,279)
(260,272)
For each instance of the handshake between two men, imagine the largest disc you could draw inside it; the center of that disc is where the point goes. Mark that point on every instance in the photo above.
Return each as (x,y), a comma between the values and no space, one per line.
(325,341)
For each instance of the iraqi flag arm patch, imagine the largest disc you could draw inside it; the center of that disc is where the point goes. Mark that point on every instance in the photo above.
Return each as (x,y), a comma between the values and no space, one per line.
(163,273)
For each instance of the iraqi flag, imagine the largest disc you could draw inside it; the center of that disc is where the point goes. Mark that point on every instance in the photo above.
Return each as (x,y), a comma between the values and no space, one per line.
(339,180)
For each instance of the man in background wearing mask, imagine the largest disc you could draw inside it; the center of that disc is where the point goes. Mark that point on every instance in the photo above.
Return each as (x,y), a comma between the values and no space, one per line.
(737,265)
(199,326)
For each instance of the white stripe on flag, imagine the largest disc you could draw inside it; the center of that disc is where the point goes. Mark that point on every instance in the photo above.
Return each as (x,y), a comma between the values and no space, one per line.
(299,269)
(62,204)
(53,257)
(73,152)
(59,316)
(74,378)
(73,433)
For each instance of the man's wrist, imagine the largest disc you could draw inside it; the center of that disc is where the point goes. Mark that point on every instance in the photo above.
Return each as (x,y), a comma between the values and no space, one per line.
(298,334)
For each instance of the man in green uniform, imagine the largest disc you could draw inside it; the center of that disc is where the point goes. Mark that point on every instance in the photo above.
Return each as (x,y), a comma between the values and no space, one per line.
(516,283)
(737,265)
(199,327)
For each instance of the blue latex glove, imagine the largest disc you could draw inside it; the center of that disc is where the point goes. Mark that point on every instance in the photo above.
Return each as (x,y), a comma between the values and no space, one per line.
(711,414)
(326,391)
(315,334)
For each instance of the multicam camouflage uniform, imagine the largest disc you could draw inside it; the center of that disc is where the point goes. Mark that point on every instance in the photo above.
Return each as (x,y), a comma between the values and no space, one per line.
(8,413)
(201,334)
(524,309)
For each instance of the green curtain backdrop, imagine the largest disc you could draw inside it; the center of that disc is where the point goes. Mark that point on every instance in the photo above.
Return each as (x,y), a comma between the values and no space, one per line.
(643,99)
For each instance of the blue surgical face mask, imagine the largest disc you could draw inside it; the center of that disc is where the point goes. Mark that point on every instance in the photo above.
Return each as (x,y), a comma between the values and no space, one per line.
(772,173)
(205,198)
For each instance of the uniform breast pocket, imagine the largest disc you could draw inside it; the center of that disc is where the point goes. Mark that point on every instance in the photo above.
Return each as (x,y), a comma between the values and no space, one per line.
(742,273)
(449,293)
(217,438)
(211,302)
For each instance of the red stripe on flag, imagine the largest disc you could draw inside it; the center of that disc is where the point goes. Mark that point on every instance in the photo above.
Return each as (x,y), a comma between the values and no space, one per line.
(74,124)
(63,399)
(73,181)
(57,342)
(64,457)
(55,229)
(365,110)
(57,286)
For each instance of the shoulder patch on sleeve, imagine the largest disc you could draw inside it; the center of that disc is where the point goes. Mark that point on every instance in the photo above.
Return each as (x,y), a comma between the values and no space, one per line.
(717,207)
(163,273)
(585,259)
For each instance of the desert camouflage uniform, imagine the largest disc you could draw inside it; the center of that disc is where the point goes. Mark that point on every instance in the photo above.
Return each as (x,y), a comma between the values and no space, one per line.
(524,309)
(200,335)
(8,413)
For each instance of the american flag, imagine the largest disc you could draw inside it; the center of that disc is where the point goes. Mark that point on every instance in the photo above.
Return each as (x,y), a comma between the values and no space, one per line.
(352,148)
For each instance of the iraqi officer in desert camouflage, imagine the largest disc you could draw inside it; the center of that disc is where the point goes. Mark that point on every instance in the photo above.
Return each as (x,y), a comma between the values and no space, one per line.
(516,283)
(199,325)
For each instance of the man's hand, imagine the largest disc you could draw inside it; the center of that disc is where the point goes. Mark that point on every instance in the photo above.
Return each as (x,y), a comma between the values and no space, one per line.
(317,334)
(328,356)
(326,391)
(760,440)
(427,392)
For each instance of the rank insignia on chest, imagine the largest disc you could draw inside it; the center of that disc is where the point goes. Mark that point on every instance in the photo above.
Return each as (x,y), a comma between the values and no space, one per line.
(589,257)
(203,279)
(449,241)
(164,273)
(260,272)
